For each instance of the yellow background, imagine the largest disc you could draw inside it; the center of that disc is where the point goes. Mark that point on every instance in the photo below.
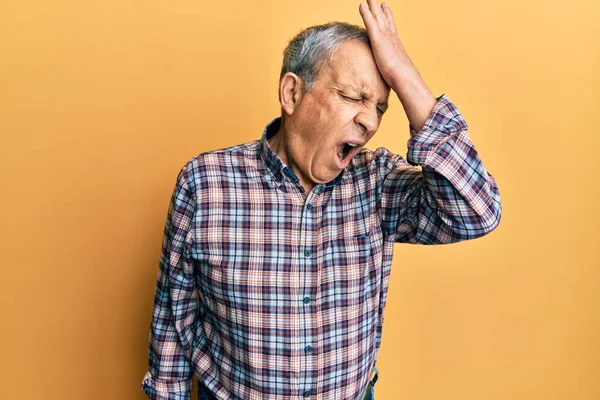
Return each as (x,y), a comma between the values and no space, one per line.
(101,103)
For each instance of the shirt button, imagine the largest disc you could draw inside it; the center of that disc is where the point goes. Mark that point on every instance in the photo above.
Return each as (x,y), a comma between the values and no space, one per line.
(306,300)
(308,349)
(307,253)
(307,394)
(309,207)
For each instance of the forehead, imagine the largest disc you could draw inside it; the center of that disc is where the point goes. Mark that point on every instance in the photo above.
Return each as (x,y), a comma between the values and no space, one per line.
(352,66)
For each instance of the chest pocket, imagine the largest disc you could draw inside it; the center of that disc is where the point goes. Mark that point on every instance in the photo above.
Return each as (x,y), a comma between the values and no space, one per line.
(348,277)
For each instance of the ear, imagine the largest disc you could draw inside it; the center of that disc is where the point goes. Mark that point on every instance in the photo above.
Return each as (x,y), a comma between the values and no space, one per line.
(290,92)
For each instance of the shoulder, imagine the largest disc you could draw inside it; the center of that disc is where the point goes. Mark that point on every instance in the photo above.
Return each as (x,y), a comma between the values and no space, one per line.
(215,164)
(223,157)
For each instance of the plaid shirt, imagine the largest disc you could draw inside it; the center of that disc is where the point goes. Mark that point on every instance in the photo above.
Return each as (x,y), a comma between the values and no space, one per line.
(266,294)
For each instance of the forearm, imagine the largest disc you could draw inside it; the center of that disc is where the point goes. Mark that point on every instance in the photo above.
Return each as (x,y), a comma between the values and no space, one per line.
(415,96)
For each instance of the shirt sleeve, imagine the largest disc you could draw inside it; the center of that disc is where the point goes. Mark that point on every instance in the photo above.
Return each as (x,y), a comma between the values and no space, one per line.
(450,197)
(174,317)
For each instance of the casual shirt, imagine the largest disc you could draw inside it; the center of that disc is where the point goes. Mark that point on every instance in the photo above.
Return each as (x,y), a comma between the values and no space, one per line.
(265,292)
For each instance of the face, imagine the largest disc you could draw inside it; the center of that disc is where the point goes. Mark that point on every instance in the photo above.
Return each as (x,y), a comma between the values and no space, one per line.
(336,118)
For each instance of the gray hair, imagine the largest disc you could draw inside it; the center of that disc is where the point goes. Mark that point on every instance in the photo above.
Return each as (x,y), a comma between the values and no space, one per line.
(305,53)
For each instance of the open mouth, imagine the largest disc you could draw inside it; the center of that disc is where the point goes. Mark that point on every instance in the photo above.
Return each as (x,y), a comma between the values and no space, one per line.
(346,151)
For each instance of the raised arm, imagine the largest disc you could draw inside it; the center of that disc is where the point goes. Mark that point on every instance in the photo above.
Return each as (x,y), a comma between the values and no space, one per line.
(453,197)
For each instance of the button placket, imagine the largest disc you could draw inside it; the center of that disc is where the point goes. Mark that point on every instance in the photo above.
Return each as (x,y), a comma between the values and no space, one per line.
(308,253)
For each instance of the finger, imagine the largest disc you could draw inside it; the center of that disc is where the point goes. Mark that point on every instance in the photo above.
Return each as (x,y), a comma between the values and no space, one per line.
(375,9)
(369,20)
(387,11)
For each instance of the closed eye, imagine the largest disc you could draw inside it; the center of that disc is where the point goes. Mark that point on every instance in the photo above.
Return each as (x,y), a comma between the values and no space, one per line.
(381,111)
(349,98)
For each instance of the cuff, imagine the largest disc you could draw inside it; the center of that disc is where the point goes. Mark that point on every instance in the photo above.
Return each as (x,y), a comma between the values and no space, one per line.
(444,120)
(160,389)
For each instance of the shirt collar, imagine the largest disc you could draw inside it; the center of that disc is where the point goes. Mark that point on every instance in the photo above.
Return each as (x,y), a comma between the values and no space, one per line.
(272,161)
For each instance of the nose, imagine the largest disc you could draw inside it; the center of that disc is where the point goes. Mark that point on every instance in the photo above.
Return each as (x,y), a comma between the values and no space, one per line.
(368,119)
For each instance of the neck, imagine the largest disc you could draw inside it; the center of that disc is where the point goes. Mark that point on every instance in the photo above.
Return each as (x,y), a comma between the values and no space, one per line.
(278,143)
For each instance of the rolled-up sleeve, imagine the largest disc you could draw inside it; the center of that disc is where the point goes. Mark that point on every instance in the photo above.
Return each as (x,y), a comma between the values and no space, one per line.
(174,318)
(451,197)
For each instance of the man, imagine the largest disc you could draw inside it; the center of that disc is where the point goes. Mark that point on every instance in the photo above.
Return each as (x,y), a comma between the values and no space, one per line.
(276,253)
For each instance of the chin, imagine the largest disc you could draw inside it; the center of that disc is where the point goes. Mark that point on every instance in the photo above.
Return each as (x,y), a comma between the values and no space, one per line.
(324,178)
(325,174)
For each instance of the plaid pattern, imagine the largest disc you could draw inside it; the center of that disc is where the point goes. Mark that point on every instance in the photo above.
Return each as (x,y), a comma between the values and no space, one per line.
(291,291)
